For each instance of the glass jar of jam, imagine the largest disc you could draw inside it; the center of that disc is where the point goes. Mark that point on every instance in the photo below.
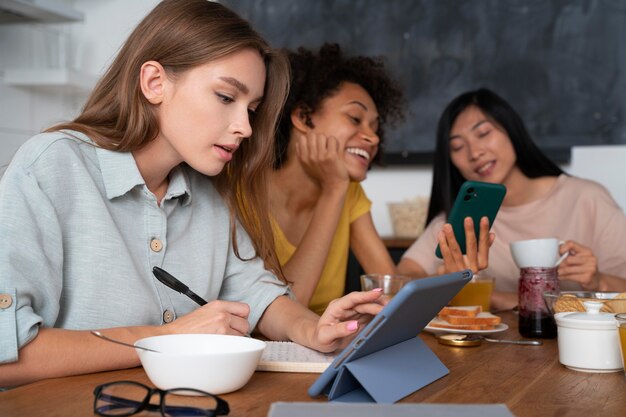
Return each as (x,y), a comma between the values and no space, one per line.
(534,318)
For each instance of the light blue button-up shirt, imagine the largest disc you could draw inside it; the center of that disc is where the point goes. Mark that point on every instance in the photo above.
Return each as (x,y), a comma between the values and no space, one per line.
(76,226)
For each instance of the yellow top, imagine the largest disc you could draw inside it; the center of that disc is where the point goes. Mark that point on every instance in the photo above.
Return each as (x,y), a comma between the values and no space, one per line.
(333,280)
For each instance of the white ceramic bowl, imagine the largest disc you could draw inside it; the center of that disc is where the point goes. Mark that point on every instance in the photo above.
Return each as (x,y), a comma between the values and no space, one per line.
(208,362)
(589,341)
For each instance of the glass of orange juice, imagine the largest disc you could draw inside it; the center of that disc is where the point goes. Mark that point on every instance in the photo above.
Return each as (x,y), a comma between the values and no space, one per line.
(477,292)
(621,328)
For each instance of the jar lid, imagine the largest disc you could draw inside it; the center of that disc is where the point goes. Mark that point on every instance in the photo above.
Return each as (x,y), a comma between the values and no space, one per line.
(591,319)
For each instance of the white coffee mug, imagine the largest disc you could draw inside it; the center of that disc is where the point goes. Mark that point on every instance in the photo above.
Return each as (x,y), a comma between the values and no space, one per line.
(537,253)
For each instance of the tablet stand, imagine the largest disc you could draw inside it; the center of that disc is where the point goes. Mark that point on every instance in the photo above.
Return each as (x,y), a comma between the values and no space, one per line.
(387,375)
(387,361)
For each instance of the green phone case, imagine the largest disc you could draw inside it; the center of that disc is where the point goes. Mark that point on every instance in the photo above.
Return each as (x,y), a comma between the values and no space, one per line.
(476,200)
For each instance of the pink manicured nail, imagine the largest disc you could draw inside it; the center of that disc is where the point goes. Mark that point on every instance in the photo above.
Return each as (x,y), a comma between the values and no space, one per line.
(353,325)
(378,289)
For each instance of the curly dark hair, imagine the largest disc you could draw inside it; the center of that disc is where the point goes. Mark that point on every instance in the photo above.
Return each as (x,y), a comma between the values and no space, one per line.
(315,77)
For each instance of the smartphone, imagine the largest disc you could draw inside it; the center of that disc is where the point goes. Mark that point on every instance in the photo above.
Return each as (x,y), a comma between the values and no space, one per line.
(476,200)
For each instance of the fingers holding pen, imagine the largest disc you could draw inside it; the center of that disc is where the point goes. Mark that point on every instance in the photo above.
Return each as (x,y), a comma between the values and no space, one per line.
(216,317)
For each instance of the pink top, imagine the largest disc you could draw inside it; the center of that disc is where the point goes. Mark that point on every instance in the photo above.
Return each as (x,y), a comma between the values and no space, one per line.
(575,209)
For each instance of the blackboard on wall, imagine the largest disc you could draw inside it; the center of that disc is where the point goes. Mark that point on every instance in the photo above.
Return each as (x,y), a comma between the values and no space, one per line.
(560,63)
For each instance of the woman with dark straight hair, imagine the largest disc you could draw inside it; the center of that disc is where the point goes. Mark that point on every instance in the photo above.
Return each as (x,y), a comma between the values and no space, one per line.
(165,166)
(530,160)
(480,137)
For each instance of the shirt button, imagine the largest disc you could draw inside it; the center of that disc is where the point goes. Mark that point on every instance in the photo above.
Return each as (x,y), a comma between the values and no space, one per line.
(168,316)
(156,245)
(5,300)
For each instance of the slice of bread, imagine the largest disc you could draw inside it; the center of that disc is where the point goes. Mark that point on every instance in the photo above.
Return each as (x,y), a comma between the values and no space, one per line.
(468,311)
(446,325)
(479,319)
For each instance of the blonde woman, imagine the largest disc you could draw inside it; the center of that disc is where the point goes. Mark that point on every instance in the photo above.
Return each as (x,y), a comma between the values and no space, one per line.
(151,173)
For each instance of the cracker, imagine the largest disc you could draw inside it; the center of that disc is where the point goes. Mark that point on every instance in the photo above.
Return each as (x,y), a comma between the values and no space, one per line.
(617,304)
(568,302)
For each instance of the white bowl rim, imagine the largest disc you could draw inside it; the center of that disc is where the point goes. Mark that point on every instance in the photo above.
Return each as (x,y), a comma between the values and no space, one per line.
(252,344)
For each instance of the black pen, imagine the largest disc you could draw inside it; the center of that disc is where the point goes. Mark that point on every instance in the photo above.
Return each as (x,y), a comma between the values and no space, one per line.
(167,279)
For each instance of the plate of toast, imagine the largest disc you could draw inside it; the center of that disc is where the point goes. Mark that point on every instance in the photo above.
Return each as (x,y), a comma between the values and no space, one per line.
(465,320)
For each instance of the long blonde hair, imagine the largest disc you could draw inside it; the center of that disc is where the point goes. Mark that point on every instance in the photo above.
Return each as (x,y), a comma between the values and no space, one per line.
(181,35)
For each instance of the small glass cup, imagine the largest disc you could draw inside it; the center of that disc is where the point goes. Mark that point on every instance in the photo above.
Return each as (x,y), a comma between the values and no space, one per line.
(477,292)
(390,284)
(621,328)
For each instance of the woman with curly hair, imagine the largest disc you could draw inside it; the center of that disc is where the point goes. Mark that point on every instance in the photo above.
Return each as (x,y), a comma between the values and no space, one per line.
(332,129)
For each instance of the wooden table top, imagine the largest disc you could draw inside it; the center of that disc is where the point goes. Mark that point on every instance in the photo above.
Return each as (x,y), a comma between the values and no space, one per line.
(528,379)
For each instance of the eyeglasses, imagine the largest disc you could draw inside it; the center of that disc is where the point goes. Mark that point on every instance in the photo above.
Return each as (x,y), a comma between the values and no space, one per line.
(125,398)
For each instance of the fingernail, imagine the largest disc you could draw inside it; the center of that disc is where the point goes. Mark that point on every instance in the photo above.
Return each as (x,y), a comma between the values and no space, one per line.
(378,289)
(353,325)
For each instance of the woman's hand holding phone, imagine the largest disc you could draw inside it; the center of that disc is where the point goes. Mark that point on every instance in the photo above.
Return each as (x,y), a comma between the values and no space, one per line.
(474,202)
(476,257)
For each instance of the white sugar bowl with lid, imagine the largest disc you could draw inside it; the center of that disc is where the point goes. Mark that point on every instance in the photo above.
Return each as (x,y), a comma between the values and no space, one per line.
(589,341)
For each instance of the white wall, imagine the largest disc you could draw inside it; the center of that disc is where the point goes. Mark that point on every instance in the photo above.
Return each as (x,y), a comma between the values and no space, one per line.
(605,164)
(88,47)
(106,26)
(84,46)
(24,113)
